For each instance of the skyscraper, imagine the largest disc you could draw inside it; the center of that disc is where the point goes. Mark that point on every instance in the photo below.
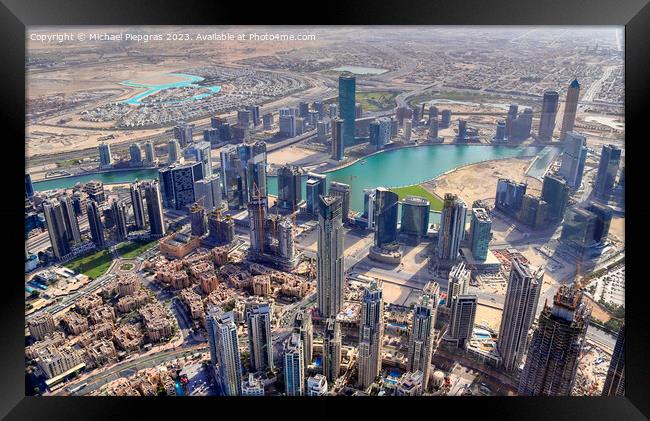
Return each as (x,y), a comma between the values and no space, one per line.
(316,385)
(173,151)
(480,233)
(154,208)
(415,216)
(452,228)
(386,207)
(500,135)
(547,120)
(610,158)
(509,196)
(289,187)
(257,215)
(332,349)
(422,332)
(203,153)
(29,187)
(95,223)
(615,380)
(570,108)
(329,281)
(338,141)
(461,321)
(315,188)
(70,219)
(603,222)
(584,228)
(182,181)
(573,159)
(198,220)
(555,192)
(207,192)
(347,107)
(294,366)
(120,217)
(303,326)
(183,132)
(458,283)
(56,228)
(138,205)
(149,152)
(105,158)
(260,345)
(522,296)
(554,350)
(224,350)
(342,191)
(135,153)
(371,331)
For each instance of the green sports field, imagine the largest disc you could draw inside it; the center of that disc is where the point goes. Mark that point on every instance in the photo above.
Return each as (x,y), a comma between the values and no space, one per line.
(435,202)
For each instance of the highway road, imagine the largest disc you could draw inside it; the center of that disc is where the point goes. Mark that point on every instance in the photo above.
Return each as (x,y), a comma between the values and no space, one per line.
(130,366)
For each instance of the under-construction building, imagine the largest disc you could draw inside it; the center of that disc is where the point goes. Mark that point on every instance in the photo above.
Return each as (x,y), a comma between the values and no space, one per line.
(554,350)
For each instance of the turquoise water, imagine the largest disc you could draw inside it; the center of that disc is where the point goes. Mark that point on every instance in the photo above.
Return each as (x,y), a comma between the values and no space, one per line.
(108,177)
(408,166)
(152,89)
(392,168)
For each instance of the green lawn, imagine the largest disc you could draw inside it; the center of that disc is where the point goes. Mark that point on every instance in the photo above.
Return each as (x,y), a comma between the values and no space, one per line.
(93,265)
(374,100)
(132,249)
(416,190)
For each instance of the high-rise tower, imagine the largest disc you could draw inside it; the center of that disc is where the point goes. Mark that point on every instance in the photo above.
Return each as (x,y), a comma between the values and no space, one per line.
(522,296)
(329,286)
(549,112)
(570,108)
(554,350)
(422,332)
(371,330)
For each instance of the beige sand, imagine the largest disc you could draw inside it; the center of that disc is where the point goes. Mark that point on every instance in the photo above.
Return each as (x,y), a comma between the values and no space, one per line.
(289,155)
(478,181)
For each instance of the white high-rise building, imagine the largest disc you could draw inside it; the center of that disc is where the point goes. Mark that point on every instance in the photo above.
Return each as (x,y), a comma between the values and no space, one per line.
(452,228)
(207,192)
(522,297)
(371,331)
(422,334)
(332,349)
(224,350)
(252,387)
(294,366)
(258,316)
(458,282)
(316,385)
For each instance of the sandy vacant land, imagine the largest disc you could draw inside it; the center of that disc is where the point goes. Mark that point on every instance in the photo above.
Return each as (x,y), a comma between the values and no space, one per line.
(597,312)
(617,228)
(479,181)
(45,139)
(488,316)
(289,155)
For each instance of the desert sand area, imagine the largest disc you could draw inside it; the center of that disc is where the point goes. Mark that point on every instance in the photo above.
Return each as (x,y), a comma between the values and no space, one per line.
(479,181)
(289,155)
(41,139)
(488,316)
(617,228)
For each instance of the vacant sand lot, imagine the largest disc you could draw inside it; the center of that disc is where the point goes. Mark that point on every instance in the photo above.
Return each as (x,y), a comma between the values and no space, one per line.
(479,181)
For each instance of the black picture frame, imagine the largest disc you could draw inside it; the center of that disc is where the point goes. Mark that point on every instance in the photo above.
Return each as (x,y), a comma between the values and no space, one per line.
(15,15)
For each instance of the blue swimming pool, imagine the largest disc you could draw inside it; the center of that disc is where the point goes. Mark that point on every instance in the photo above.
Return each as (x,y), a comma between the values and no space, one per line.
(189,80)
